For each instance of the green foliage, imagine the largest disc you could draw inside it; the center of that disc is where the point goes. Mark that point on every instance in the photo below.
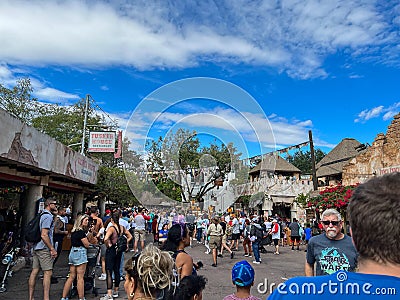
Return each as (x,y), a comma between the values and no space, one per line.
(302,199)
(19,102)
(302,160)
(112,183)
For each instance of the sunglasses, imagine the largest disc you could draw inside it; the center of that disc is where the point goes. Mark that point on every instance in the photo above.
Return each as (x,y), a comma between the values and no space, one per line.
(334,223)
(135,260)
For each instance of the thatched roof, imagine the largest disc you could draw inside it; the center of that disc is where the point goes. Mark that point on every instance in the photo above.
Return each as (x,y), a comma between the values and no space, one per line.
(274,163)
(334,161)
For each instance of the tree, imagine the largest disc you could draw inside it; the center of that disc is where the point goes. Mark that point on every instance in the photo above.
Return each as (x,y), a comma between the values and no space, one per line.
(19,102)
(131,159)
(65,123)
(302,160)
(194,170)
(112,183)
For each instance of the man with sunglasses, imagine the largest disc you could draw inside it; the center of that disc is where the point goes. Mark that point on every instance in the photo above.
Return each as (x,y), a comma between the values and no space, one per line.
(373,211)
(331,251)
(43,252)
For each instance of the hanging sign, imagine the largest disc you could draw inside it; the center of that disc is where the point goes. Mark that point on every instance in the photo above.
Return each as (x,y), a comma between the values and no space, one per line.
(102,141)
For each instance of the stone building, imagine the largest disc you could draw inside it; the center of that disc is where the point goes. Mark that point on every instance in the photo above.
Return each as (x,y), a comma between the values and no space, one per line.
(382,157)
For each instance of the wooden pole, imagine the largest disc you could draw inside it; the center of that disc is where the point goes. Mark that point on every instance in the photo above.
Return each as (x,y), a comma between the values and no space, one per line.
(314,172)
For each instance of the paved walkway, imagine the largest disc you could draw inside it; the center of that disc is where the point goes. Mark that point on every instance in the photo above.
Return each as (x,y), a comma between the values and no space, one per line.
(273,269)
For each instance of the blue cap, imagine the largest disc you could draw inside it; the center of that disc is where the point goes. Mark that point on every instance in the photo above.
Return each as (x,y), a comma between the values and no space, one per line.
(242,273)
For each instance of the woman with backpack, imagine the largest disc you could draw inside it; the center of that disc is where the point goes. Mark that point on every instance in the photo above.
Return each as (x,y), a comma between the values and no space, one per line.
(77,258)
(114,251)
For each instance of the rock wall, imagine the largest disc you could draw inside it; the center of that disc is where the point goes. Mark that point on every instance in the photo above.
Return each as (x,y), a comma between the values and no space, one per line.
(382,157)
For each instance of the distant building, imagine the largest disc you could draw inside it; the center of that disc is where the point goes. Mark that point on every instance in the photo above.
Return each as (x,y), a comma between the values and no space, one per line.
(330,168)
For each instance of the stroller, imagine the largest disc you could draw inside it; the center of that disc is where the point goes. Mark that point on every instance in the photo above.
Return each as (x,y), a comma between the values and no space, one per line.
(90,273)
(9,254)
(266,241)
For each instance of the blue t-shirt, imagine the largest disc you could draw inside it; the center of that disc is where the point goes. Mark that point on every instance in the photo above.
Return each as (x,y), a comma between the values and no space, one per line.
(331,256)
(308,233)
(46,222)
(340,285)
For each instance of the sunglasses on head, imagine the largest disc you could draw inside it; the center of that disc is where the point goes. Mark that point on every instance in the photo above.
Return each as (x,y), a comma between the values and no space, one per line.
(135,260)
(334,223)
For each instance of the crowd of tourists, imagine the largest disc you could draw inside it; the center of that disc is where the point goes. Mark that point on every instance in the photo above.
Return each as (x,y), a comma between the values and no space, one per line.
(162,269)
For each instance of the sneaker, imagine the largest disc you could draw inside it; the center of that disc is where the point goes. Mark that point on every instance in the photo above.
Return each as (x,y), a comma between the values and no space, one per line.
(250,255)
(103,277)
(256,262)
(106,297)
(214,265)
(115,294)
(219,255)
(232,255)
(246,255)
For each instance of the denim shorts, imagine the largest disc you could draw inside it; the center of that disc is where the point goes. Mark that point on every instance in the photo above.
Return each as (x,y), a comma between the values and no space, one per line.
(77,256)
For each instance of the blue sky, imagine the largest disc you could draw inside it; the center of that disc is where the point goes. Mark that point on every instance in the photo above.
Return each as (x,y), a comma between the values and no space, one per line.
(327,66)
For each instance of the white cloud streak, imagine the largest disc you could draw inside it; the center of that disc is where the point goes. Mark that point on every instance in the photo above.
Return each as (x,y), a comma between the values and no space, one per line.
(387,112)
(293,36)
(249,126)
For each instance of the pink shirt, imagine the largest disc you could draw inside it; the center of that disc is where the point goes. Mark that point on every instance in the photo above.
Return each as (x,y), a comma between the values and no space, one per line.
(233,297)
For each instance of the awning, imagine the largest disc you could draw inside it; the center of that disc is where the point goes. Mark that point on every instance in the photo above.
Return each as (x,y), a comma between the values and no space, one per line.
(280,199)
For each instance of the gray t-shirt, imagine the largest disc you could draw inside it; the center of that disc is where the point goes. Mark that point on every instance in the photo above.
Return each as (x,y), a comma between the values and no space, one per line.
(191,219)
(46,221)
(294,229)
(140,222)
(331,255)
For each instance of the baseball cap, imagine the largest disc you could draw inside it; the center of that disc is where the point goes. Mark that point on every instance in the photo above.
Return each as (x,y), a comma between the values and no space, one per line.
(274,220)
(108,211)
(242,273)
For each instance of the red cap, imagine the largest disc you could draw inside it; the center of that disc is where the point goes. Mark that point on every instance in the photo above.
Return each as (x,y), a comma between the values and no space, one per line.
(108,211)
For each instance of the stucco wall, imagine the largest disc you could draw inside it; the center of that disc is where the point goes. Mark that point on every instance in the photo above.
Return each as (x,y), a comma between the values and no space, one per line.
(27,145)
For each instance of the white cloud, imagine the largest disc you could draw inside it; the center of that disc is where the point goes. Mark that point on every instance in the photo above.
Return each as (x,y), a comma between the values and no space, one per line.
(388,113)
(9,77)
(225,124)
(294,36)
(53,95)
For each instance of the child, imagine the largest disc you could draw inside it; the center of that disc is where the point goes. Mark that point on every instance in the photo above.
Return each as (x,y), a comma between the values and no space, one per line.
(243,279)
(163,234)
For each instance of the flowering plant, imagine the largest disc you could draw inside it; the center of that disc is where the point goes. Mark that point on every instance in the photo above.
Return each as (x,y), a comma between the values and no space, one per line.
(337,197)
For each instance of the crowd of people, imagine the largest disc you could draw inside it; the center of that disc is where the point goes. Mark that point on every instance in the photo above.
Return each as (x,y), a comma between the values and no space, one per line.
(164,270)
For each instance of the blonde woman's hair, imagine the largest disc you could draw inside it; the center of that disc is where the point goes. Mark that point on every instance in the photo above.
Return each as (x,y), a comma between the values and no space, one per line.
(152,270)
(78,223)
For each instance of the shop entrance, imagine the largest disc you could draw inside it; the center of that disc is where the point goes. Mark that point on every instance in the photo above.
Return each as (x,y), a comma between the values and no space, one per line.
(281,209)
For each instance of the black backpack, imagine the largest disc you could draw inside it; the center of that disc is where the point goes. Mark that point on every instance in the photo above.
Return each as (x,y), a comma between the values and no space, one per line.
(122,242)
(32,229)
(257,232)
